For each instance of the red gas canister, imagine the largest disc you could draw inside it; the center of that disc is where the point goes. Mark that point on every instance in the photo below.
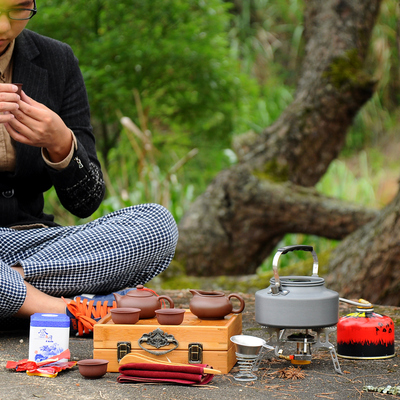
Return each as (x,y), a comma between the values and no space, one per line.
(365,334)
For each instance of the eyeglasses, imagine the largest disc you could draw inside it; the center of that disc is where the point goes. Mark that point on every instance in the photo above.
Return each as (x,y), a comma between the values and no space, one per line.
(20,14)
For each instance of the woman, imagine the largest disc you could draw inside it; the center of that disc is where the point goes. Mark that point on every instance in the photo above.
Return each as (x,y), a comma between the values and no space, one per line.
(46,140)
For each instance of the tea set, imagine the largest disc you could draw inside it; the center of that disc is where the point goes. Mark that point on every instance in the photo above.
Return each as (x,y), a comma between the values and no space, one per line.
(143,303)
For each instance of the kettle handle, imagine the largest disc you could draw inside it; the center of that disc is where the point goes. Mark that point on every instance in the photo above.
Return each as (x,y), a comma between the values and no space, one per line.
(285,250)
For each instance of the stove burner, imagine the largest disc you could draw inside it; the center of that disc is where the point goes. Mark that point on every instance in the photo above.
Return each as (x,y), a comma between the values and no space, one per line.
(299,337)
(304,342)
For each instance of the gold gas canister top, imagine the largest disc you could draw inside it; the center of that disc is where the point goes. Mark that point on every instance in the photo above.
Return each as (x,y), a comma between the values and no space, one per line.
(362,305)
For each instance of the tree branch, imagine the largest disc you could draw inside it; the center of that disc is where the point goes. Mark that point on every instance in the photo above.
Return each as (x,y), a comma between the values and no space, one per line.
(251,216)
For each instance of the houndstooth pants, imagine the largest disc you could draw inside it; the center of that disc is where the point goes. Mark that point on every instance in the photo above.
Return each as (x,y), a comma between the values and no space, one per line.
(123,249)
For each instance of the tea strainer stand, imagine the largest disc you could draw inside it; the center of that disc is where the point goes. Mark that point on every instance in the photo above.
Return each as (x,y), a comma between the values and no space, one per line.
(249,351)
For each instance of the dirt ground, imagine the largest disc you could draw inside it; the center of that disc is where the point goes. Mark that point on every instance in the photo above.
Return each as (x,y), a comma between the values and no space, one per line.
(277,378)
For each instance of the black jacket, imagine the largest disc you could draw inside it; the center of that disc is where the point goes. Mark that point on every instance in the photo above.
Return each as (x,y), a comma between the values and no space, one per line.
(50,75)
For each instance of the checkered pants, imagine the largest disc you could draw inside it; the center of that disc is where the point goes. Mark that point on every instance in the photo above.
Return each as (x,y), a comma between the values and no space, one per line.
(123,249)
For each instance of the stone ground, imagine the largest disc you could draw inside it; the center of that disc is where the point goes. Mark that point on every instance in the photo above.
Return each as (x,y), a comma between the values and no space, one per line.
(317,380)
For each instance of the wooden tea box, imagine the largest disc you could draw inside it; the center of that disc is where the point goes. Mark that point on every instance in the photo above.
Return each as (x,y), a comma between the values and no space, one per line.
(195,341)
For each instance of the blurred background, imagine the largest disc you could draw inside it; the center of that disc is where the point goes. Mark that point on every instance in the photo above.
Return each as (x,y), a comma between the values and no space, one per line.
(172,82)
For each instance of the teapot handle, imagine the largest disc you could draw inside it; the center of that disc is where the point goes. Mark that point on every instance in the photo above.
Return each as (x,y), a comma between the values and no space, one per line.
(170,301)
(240,298)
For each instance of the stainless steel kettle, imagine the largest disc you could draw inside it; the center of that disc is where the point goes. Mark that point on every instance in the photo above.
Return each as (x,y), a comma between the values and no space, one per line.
(296,301)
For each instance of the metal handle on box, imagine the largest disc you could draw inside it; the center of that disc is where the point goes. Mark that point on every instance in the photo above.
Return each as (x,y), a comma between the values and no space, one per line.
(158,339)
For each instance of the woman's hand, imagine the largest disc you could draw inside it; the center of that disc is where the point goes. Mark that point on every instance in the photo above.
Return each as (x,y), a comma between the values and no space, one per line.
(9,100)
(34,124)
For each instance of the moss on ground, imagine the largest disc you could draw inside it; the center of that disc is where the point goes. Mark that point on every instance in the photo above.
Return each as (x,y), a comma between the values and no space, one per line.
(273,171)
(174,278)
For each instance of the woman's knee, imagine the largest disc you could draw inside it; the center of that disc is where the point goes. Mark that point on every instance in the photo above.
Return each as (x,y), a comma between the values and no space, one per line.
(156,216)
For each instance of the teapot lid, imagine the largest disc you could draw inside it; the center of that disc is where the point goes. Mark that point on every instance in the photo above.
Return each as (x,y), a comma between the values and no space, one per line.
(140,291)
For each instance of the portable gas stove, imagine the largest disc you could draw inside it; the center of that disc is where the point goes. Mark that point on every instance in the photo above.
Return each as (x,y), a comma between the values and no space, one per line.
(300,303)
(301,344)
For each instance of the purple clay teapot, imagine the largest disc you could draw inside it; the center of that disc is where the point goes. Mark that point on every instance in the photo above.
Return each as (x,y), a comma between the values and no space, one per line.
(213,305)
(144,299)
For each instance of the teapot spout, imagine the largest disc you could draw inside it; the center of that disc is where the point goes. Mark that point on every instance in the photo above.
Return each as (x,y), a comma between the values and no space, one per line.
(117,297)
(194,292)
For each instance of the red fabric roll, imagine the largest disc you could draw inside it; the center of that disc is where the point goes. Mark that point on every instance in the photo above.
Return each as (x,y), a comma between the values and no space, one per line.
(149,372)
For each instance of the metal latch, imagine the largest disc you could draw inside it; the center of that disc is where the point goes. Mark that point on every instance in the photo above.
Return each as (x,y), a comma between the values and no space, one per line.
(123,348)
(195,353)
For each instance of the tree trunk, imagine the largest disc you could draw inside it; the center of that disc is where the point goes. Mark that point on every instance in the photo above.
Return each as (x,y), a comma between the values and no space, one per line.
(331,90)
(248,208)
(366,263)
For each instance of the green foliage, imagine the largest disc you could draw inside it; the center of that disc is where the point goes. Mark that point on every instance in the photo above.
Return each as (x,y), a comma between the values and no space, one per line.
(340,182)
(267,37)
(138,177)
(175,53)
(263,107)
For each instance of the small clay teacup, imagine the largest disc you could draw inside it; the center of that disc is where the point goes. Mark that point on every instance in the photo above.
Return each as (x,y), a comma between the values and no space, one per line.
(92,369)
(19,88)
(125,315)
(170,316)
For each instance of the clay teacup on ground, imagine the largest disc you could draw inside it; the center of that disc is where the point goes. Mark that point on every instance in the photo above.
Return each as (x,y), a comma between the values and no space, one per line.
(125,315)
(170,316)
(92,369)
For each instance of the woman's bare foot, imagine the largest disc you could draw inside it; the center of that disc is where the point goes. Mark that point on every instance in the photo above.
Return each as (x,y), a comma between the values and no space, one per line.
(38,302)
